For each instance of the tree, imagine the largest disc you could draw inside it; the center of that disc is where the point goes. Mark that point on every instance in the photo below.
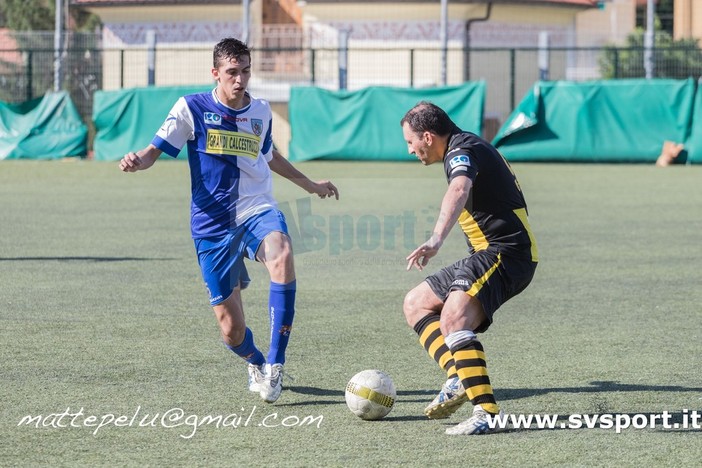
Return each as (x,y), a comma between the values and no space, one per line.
(28,15)
(32,23)
(39,15)
(672,59)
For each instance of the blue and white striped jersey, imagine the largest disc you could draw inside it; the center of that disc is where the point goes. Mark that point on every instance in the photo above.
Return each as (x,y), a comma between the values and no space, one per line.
(228,152)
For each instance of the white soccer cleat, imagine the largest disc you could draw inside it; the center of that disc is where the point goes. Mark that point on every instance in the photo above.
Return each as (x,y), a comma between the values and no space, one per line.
(255,377)
(272,384)
(479,423)
(449,399)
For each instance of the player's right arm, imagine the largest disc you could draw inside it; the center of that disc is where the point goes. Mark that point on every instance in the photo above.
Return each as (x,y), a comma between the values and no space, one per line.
(176,130)
(139,160)
(451,206)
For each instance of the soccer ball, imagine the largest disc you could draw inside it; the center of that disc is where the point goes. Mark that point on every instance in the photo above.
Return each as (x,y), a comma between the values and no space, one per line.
(370,394)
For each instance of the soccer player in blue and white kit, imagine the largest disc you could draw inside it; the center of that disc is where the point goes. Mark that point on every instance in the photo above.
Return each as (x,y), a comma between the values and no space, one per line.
(233,213)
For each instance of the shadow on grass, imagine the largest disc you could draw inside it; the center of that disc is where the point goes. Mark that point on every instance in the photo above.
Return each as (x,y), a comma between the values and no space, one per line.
(338,396)
(404,396)
(595,387)
(340,393)
(83,259)
(402,418)
(315,391)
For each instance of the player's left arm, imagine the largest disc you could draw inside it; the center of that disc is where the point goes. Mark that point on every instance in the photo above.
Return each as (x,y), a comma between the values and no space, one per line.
(451,206)
(282,167)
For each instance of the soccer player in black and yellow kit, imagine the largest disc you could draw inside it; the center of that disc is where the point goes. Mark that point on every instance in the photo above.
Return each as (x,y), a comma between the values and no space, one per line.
(451,306)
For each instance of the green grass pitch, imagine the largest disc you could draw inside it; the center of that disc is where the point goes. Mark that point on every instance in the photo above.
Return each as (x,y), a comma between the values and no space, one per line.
(103,312)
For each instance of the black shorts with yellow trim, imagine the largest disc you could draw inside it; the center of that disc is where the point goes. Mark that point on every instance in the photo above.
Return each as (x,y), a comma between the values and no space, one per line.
(487,275)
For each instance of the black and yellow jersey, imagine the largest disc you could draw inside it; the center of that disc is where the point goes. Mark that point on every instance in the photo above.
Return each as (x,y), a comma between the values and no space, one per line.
(495,214)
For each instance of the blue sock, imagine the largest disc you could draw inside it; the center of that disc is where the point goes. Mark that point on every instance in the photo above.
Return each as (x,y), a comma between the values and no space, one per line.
(247,350)
(281,309)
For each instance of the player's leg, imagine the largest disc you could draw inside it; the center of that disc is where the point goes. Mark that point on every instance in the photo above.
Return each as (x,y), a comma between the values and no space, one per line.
(422,310)
(224,274)
(467,311)
(239,338)
(422,307)
(230,318)
(487,280)
(462,315)
(277,255)
(267,241)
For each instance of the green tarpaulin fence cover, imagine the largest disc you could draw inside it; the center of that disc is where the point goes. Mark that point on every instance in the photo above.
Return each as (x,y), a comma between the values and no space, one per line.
(599,121)
(49,127)
(127,120)
(605,121)
(365,124)
(693,144)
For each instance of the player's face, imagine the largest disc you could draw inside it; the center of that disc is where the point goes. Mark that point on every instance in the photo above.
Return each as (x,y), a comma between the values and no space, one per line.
(418,145)
(232,77)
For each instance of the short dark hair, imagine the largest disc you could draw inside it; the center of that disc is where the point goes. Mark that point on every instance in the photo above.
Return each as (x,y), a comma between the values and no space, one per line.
(229,48)
(428,117)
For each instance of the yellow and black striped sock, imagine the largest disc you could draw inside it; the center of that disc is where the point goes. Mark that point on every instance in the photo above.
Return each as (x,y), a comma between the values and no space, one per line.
(472,370)
(433,341)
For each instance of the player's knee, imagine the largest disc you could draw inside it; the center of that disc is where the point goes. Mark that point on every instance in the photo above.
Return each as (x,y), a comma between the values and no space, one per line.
(462,315)
(451,320)
(233,332)
(285,254)
(412,307)
(231,324)
(278,254)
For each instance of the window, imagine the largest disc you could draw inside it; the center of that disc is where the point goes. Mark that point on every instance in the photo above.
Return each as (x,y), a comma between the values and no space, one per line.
(663,10)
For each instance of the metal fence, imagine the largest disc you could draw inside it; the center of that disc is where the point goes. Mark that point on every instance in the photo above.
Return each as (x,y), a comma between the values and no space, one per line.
(27,66)
(509,72)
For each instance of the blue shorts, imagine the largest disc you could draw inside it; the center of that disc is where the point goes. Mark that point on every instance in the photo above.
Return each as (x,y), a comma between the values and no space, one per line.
(221,258)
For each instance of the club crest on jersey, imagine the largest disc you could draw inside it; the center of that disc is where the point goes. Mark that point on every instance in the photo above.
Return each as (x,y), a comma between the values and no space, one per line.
(257,126)
(461,160)
(212,118)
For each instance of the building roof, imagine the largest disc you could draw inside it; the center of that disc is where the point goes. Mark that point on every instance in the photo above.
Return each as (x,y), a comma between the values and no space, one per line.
(577,3)
(581,3)
(148,2)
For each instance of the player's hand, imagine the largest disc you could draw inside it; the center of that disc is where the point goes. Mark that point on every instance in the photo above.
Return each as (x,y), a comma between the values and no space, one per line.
(421,255)
(130,162)
(324,189)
